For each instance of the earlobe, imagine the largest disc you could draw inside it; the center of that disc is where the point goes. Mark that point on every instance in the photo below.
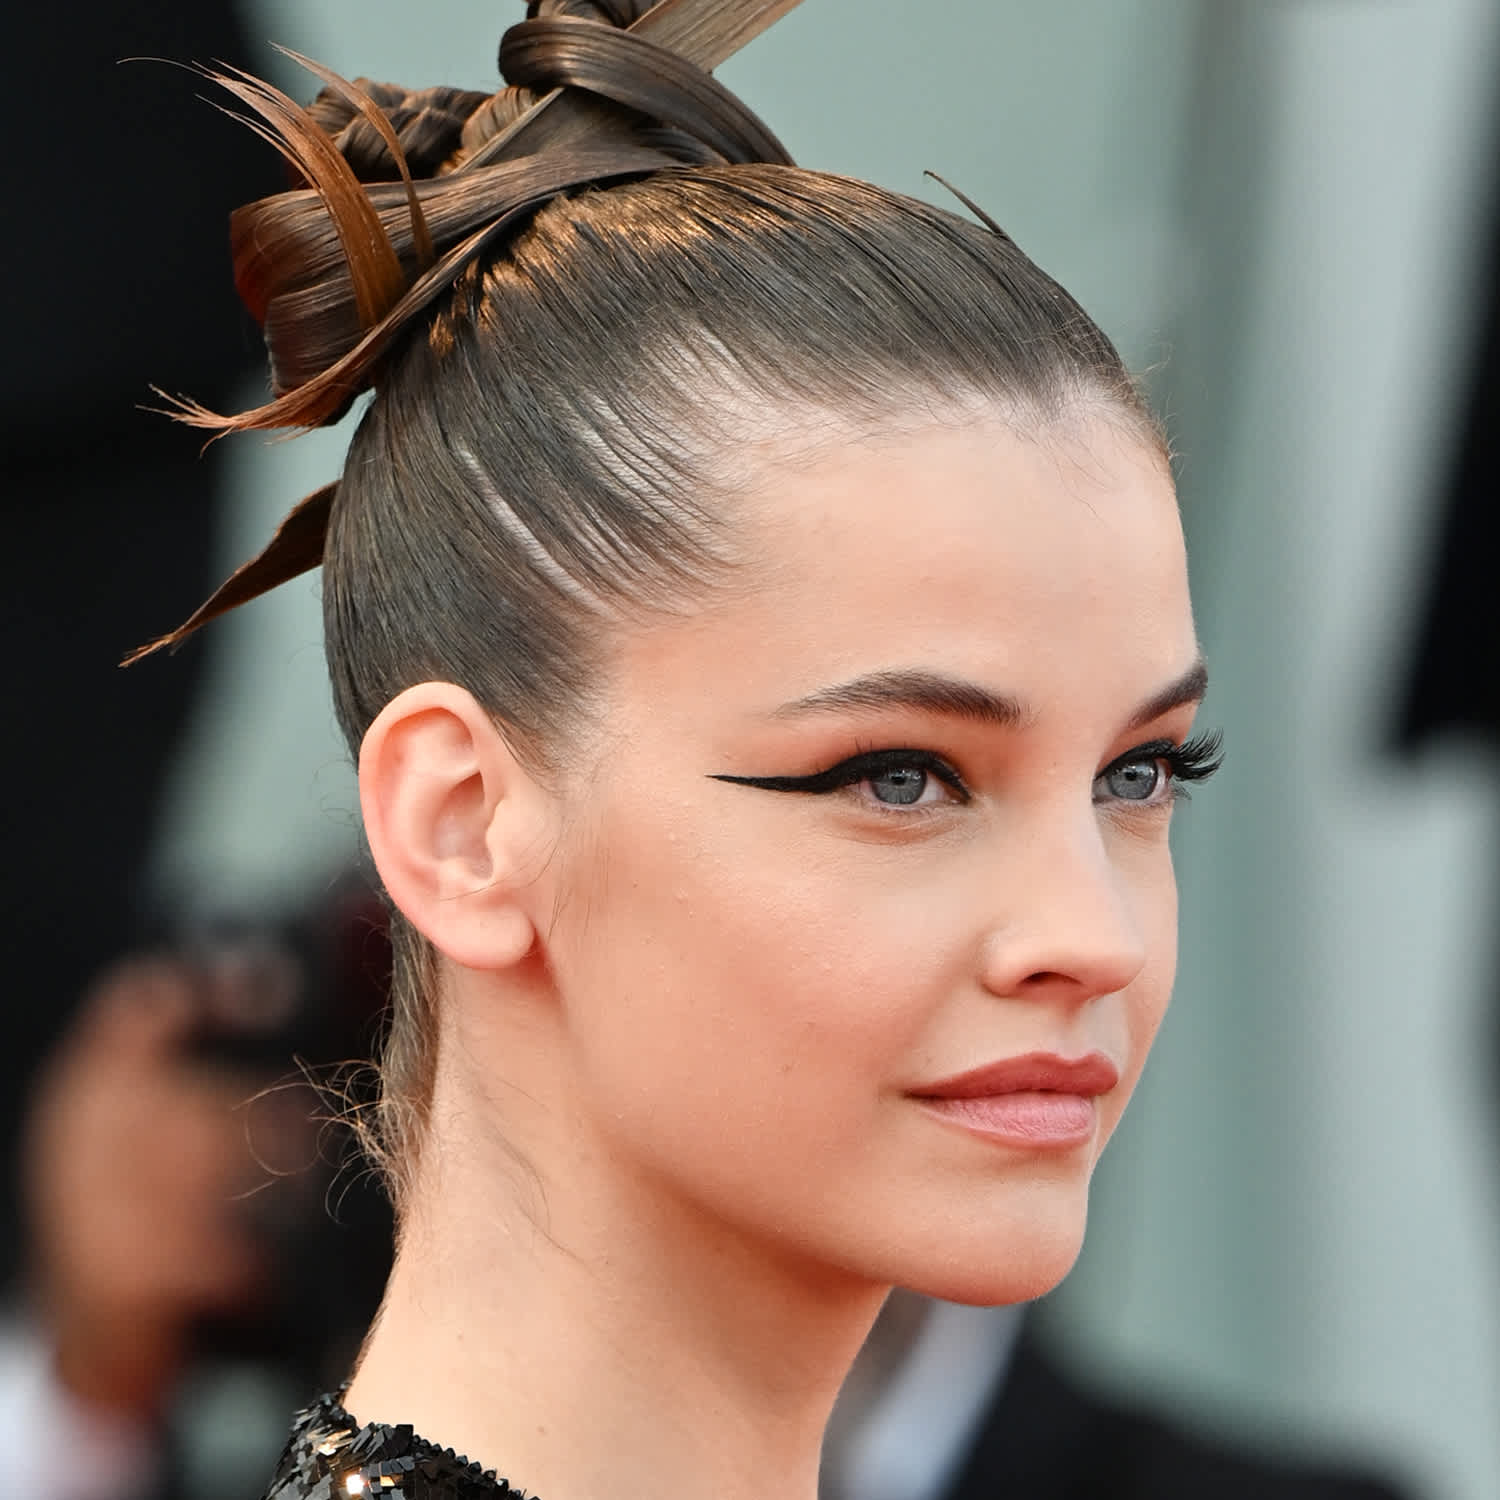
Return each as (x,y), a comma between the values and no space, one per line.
(455,824)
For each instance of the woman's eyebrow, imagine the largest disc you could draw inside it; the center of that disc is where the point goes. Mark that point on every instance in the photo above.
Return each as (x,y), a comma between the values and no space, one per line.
(924,692)
(934,693)
(1189,688)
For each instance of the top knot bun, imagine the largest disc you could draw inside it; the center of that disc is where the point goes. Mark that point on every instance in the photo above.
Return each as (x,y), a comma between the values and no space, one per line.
(428,124)
(438,128)
(618,13)
(404,189)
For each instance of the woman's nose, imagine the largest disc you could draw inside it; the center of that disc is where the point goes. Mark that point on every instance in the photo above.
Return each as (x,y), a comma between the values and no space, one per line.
(1067,927)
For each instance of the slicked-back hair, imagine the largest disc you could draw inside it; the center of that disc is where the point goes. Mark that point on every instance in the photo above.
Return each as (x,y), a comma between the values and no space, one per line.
(544,447)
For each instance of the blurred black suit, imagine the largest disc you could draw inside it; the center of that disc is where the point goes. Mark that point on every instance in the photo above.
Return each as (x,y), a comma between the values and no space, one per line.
(1044,1438)
(1453,690)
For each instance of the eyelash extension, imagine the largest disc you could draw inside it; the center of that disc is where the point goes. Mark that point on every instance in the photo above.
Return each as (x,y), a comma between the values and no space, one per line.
(1194,760)
(856,769)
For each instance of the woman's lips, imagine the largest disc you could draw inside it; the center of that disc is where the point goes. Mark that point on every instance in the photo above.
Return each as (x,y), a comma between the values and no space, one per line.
(1040,1100)
(1026,1118)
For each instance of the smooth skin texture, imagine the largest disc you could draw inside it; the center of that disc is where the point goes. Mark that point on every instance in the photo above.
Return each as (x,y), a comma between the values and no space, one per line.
(674,1162)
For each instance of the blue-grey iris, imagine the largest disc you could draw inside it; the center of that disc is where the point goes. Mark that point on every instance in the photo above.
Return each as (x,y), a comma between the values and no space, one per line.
(900,786)
(1136,781)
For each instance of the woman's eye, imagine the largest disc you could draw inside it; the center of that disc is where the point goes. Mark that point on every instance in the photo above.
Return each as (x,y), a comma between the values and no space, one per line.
(1156,774)
(893,778)
(1136,781)
(904,786)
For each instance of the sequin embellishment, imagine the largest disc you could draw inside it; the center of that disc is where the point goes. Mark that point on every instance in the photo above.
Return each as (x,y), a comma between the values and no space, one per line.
(329,1456)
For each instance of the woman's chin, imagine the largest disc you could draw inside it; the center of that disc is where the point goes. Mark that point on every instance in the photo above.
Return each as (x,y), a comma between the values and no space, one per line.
(1016,1260)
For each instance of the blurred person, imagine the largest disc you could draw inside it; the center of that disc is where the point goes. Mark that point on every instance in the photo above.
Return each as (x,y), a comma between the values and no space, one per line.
(948,1402)
(104,289)
(185,1202)
(134,1162)
(1445,697)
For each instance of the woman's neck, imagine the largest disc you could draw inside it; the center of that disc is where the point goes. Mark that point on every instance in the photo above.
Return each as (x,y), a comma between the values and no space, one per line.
(590,1338)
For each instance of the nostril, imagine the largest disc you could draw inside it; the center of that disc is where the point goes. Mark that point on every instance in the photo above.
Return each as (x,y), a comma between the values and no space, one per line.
(1043,978)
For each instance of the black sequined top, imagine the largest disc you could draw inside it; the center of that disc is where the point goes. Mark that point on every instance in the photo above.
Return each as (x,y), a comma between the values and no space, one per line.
(329,1456)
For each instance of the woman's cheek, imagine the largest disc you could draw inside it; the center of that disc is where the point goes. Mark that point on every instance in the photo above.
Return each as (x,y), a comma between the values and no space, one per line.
(761,1010)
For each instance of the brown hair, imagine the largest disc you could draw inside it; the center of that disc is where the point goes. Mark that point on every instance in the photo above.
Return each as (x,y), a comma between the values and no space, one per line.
(556,340)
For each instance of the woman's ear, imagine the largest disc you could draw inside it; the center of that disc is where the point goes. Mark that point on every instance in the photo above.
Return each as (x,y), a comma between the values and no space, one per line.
(458,827)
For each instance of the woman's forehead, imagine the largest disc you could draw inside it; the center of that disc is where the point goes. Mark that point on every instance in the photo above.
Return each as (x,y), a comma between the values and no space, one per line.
(974,527)
(1013,559)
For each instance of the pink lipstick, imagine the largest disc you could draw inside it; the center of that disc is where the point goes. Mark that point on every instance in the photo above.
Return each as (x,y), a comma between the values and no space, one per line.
(1041,1101)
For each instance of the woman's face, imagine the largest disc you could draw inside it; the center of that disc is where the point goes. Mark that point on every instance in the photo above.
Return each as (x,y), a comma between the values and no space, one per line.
(893,813)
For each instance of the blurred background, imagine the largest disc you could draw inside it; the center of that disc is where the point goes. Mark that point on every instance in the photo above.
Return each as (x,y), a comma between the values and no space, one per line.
(1287,213)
